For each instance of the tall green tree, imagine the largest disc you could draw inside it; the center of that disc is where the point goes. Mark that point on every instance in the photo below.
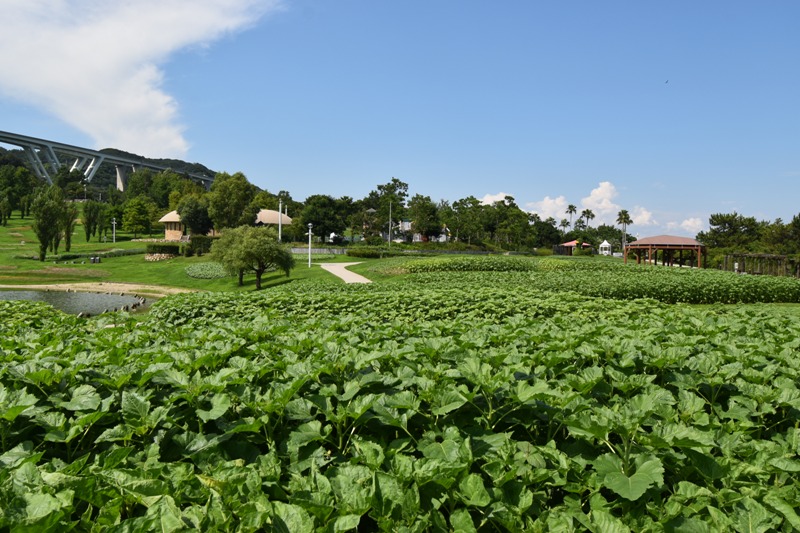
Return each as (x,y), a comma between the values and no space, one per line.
(545,233)
(731,230)
(564,224)
(139,183)
(465,224)
(323,212)
(255,249)
(571,210)
(69,217)
(18,184)
(138,215)
(193,209)
(624,219)
(587,215)
(230,202)
(388,200)
(46,209)
(5,208)
(71,182)
(424,215)
(91,217)
(163,184)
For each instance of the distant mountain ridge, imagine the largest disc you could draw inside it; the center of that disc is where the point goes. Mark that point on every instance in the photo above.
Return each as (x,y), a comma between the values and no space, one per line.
(178,165)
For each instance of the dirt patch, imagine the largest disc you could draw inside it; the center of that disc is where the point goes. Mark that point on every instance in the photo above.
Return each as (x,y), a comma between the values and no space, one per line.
(7,267)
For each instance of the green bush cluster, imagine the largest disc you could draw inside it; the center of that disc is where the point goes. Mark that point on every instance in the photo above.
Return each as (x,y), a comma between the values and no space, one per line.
(209,270)
(373,252)
(471,264)
(198,245)
(160,248)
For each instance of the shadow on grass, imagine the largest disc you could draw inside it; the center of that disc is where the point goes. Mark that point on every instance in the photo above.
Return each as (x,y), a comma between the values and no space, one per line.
(274,280)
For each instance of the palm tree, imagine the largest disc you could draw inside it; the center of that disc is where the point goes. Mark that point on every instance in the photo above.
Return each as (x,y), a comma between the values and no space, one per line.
(564,224)
(587,215)
(623,219)
(571,210)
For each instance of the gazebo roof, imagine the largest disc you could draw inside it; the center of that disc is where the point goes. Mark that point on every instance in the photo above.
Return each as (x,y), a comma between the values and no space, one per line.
(172,216)
(665,241)
(270,216)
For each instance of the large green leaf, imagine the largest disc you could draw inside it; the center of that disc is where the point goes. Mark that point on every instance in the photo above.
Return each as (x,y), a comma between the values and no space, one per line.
(460,520)
(219,406)
(84,398)
(648,473)
(472,491)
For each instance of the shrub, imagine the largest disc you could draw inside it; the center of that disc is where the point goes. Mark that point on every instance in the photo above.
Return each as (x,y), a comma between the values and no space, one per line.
(200,244)
(167,249)
(472,264)
(210,270)
(373,252)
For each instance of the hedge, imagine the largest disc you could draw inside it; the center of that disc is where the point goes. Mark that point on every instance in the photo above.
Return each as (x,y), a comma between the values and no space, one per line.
(169,249)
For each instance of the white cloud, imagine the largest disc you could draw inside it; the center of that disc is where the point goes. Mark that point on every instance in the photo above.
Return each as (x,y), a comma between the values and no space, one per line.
(489,199)
(549,207)
(693,225)
(642,217)
(690,226)
(600,201)
(95,64)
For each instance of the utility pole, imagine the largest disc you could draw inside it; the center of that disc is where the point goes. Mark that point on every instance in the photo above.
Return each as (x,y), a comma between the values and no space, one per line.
(309,244)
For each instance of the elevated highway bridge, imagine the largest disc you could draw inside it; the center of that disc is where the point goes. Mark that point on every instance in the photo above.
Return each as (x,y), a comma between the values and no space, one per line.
(45,158)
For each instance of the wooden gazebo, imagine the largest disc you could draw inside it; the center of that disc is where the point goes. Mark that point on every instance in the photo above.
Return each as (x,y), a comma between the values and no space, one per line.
(648,249)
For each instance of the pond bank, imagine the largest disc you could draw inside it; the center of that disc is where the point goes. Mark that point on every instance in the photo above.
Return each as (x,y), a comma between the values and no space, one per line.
(151,291)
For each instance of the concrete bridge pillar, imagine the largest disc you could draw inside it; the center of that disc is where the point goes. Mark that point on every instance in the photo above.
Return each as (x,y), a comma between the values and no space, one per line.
(122,177)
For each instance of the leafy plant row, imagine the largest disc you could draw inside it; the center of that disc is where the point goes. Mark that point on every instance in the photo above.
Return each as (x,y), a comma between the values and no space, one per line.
(608,279)
(471,264)
(563,415)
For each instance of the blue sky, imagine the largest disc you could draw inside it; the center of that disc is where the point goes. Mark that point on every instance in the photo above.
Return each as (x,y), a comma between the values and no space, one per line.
(671,110)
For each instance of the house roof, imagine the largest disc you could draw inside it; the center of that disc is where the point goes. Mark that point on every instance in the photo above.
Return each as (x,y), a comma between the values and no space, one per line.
(575,243)
(172,216)
(270,216)
(665,240)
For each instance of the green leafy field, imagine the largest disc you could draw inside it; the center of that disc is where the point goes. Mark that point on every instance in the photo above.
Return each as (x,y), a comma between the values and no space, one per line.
(440,401)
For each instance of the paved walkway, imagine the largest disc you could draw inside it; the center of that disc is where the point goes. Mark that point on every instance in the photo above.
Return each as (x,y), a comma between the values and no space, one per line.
(340,270)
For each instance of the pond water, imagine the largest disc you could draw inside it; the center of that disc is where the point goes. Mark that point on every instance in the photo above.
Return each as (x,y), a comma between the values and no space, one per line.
(74,302)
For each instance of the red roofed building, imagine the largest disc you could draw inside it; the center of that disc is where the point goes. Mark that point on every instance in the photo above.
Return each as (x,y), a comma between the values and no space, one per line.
(568,247)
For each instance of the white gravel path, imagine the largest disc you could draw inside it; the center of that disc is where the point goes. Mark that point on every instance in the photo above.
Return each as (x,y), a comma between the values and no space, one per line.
(340,270)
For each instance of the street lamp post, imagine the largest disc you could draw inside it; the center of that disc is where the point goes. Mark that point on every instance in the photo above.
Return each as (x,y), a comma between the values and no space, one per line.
(280,217)
(114,229)
(309,244)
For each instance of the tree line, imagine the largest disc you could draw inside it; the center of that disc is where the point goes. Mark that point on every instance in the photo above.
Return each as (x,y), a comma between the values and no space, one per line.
(387,210)
(730,233)
(232,201)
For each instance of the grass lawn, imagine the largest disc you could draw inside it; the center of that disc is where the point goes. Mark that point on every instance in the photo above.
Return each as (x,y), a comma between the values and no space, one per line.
(18,244)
